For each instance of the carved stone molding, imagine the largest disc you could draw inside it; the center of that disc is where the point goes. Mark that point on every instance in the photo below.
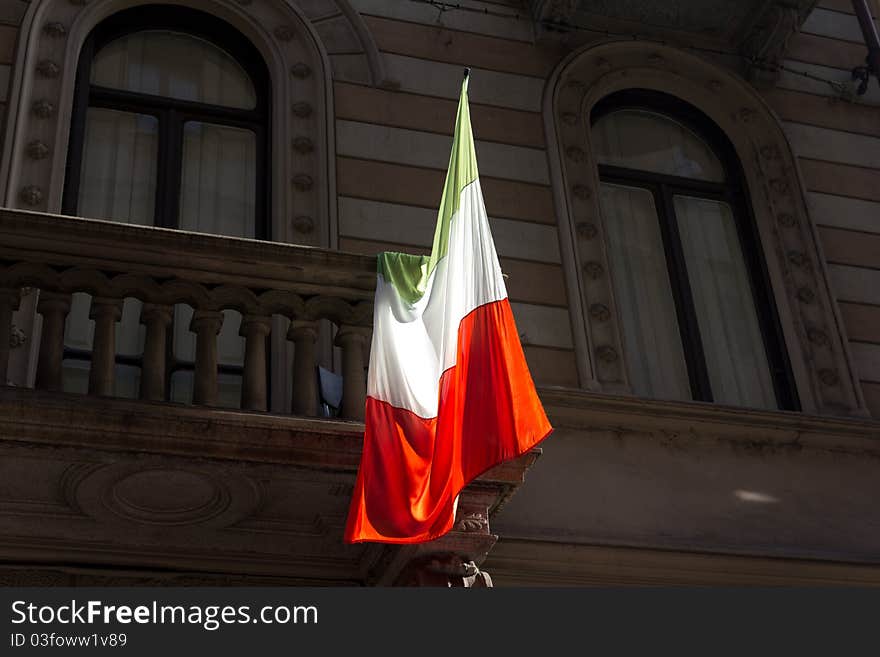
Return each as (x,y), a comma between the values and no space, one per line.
(473,521)
(161,494)
(17,337)
(806,307)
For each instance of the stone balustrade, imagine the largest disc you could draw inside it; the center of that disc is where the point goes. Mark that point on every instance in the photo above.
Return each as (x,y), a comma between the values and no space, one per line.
(53,257)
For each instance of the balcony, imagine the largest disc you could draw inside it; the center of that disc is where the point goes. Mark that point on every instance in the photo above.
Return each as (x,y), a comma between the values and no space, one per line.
(144,484)
(100,489)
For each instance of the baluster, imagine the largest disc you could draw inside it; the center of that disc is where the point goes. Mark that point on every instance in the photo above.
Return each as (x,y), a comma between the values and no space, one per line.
(352,339)
(254,329)
(53,307)
(9,300)
(206,325)
(157,319)
(304,400)
(102,373)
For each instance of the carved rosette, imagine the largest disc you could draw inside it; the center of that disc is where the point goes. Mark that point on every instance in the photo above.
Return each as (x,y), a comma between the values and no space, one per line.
(582,192)
(575,154)
(606,354)
(806,295)
(301,110)
(284,33)
(43,108)
(587,230)
(31,195)
(55,30)
(303,224)
(48,69)
(569,118)
(594,270)
(810,329)
(303,145)
(37,150)
(302,182)
(300,70)
(798,258)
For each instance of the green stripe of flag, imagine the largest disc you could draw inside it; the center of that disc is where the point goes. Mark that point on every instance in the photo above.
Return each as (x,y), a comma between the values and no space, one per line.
(409,274)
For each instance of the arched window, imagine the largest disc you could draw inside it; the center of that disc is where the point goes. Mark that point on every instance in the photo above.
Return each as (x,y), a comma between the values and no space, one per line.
(696,311)
(170,125)
(169,128)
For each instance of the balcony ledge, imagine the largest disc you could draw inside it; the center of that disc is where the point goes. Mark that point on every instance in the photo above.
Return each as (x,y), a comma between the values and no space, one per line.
(683,422)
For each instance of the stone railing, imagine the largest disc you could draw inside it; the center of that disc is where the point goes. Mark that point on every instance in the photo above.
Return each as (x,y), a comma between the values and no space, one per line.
(58,256)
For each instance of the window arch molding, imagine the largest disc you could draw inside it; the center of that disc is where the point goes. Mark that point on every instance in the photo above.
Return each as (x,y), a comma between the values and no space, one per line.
(809,317)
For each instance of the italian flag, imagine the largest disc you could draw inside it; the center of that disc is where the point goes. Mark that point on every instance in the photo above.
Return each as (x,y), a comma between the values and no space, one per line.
(449,394)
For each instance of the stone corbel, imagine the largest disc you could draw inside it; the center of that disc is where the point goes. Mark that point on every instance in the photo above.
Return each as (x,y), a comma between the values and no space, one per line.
(453,560)
(766,41)
(552,16)
(444,570)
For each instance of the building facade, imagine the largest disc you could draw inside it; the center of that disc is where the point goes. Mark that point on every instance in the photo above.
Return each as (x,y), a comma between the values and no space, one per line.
(683,196)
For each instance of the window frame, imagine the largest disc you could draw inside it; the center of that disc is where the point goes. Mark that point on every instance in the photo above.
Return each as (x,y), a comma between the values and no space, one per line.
(171,113)
(732,191)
